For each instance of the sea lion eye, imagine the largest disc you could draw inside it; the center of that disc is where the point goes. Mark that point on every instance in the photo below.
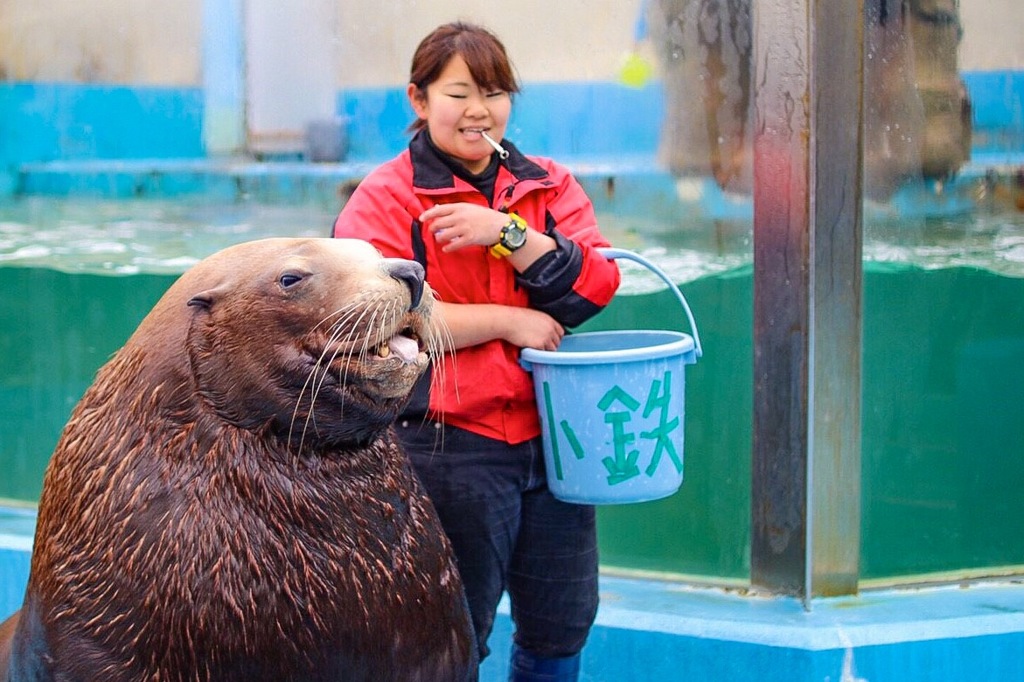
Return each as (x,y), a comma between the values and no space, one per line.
(289,279)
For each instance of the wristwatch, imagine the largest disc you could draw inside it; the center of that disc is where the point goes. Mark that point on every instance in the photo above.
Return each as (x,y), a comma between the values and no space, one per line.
(512,237)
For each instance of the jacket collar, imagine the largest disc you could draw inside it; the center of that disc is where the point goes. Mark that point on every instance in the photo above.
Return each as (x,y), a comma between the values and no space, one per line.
(429,171)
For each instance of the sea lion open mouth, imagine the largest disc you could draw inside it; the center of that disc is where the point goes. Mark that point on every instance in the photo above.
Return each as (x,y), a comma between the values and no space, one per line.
(389,357)
(405,345)
(372,376)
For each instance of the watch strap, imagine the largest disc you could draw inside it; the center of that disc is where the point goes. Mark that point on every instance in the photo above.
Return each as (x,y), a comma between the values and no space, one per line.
(499,250)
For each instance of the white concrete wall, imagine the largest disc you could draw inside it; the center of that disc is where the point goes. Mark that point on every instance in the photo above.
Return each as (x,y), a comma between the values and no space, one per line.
(291,79)
(101,41)
(159,43)
(993,35)
(548,40)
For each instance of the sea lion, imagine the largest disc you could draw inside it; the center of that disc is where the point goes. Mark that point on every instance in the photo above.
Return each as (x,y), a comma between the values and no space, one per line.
(227,501)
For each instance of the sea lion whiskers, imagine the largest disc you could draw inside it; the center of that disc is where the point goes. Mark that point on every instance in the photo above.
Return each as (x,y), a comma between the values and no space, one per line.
(441,343)
(346,328)
(314,381)
(337,334)
(338,331)
(345,314)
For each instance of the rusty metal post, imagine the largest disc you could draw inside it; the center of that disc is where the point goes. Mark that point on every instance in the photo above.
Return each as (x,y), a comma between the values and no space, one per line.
(807,297)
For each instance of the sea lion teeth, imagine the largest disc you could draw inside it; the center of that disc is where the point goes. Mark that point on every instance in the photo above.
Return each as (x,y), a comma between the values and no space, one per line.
(383,351)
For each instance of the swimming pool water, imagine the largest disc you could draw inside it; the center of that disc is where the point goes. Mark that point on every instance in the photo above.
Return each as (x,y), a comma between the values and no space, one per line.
(129,237)
(943,414)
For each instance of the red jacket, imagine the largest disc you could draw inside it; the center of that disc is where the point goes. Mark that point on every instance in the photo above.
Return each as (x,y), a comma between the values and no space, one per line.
(484,389)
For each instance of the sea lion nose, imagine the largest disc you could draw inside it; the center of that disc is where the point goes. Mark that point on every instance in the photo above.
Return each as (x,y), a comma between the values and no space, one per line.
(411,273)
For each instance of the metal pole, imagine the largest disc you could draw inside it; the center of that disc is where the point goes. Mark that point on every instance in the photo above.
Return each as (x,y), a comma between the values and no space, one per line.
(807,297)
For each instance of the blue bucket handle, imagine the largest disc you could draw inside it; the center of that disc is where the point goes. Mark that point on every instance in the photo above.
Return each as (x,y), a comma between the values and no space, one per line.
(612,253)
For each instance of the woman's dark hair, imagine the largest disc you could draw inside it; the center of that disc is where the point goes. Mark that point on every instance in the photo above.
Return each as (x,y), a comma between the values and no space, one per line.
(483,53)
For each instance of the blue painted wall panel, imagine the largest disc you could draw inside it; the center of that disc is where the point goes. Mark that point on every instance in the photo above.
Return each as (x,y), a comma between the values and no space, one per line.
(997,98)
(14,565)
(47,121)
(578,120)
(552,119)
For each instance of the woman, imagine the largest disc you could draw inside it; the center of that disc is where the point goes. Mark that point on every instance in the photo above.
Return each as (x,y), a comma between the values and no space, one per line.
(509,246)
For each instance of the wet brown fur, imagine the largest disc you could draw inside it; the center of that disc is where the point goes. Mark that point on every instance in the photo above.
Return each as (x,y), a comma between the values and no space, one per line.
(227,501)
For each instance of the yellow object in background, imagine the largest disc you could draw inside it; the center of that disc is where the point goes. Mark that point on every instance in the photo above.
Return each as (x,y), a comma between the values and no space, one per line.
(635,70)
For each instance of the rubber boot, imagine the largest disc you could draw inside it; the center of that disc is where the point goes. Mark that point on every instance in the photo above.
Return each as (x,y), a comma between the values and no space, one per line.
(527,667)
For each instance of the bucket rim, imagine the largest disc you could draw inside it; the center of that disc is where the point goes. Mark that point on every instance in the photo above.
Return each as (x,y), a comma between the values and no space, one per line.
(678,343)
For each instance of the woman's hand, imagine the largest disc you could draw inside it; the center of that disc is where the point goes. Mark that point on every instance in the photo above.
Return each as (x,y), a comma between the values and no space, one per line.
(472,323)
(456,226)
(529,328)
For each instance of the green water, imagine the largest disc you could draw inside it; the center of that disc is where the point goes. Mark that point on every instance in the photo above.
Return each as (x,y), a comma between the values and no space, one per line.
(943,427)
(943,420)
(943,386)
(58,328)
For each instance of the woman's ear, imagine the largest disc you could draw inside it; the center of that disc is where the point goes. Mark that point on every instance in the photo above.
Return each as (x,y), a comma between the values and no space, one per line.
(418,100)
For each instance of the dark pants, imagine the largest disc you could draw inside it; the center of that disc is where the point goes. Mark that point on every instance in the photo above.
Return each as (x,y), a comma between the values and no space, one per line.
(510,533)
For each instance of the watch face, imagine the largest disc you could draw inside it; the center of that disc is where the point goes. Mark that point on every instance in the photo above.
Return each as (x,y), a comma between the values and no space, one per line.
(514,236)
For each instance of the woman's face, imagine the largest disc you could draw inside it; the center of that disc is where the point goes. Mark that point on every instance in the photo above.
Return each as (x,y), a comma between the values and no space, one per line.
(457,110)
